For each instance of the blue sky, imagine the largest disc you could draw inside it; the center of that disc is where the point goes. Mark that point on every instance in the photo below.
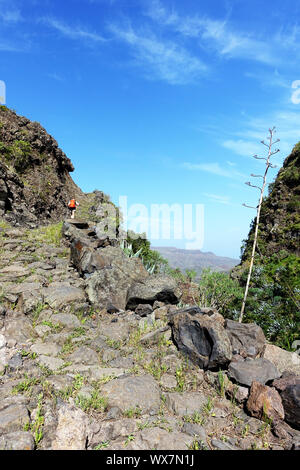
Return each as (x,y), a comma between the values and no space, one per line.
(162,101)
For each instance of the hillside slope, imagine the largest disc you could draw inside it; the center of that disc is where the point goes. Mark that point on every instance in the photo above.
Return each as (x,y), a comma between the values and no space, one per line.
(280,212)
(195,259)
(273,301)
(35,181)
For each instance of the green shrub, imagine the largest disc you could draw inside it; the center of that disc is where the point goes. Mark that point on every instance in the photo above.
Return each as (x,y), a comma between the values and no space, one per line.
(218,290)
(139,246)
(274,298)
(17,154)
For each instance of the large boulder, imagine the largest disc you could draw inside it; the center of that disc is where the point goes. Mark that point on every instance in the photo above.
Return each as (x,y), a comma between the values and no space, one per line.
(259,370)
(247,339)
(264,402)
(86,253)
(289,388)
(85,259)
(204,340)
(291,404)
(282,359)
(109,285)
(156,288)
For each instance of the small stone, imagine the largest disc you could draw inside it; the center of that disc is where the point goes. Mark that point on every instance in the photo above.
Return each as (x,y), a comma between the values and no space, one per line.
(161,313)
(68,320)
(13,417)
(11,343)
(195,430)
(185,404)
(17,441)
(72,429)
(53,363)
(158,304)
(86,392)
(168,381)
(46,349)
(84,355)
(143,310)
(114,413)
(221,445)
(41,330)
(15,362)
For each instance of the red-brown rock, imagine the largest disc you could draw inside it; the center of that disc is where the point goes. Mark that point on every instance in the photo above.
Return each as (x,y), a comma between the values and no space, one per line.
(264,401)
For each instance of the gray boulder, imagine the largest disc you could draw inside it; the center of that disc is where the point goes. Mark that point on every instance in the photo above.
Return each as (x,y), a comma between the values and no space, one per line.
(109,285)
(133,391)
(259,370)
(20,440)
(61,295)
(186,404)
(291,403)
(205,341)
(247,339)
(289,388)
(13,418)
(158,287)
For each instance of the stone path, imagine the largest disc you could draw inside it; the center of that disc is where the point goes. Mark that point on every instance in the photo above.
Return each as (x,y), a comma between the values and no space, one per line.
(76,377)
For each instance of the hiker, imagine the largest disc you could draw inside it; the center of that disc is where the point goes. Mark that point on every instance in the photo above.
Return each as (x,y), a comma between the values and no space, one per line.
(72,207)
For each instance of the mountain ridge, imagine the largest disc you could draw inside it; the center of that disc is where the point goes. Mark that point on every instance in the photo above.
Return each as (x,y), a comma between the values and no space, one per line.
(195,259)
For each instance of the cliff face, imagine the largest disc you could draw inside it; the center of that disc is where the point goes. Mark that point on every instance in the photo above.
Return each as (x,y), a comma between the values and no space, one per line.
(35,184)
(280,213)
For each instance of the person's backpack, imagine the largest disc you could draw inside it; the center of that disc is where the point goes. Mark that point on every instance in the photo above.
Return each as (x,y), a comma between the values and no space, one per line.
(72,204)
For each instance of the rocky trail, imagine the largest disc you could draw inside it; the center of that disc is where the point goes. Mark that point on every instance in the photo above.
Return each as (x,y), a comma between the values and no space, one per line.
(95,353)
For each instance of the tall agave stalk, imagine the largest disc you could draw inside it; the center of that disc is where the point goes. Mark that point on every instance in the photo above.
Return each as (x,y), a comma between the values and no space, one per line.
(269,146)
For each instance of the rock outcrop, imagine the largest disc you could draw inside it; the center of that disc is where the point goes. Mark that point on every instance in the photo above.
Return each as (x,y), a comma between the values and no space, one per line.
(35,181)
(279,218)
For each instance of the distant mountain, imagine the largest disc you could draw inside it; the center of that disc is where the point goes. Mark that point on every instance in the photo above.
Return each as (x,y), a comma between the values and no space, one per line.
(195,259)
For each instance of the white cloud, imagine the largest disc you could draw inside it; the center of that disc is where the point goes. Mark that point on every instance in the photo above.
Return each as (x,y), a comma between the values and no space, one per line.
(73,32)
(272,79)
(242,147)
(168,61)
(229,41)
(213,168)
(55,77)
(287,125)
(217,35)
(218,198)
(10,16)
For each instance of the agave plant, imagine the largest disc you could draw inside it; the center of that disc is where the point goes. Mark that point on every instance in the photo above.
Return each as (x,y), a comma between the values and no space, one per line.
(150,267)
(128,250)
